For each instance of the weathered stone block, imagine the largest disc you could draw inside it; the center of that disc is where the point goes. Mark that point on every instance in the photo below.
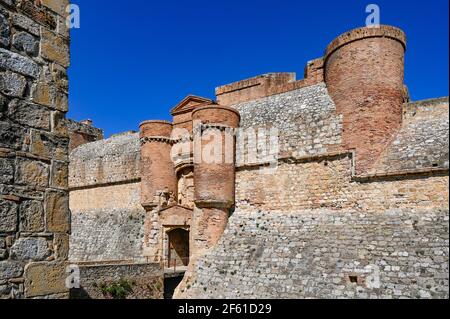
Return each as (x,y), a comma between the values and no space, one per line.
(31,214)
(37,14)
(3,103)
(61,245)
(30,249)
(11,136)
(29,114)
(57,212)
(3,251)
(12,84)
(58,6)
(5,289)
(54,48)
(21,192)
(61,102)
(17,63)
(10,269)
(48,145)
(8,216)
(43,93)
(26,23)
(59,175)
(9,3)
(62,28)
(59,75)
(9,240)
(45,278)
(31,173)
(6,170)
(25,42)
(5,31)
(59,124)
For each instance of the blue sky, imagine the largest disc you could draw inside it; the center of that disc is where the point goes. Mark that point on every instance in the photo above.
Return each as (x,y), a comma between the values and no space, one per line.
(134,60)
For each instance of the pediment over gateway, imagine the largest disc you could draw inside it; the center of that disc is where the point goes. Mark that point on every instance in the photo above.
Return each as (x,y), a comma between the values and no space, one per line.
(176,216)
(189,103)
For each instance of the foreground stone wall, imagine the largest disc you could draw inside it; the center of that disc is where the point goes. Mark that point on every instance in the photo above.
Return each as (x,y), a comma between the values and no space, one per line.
(34,201)
(120,281)
(400,253)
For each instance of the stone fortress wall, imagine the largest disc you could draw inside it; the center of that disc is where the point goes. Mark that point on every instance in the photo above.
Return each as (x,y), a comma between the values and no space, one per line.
(34,152)
(107,217)
(356,205)
(322,253)
(313,228)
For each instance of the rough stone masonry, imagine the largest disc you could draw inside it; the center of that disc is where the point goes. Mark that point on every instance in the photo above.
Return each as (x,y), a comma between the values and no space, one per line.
(34,198)
(356,205)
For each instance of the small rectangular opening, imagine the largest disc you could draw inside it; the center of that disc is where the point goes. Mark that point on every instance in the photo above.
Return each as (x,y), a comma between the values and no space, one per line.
(353,279)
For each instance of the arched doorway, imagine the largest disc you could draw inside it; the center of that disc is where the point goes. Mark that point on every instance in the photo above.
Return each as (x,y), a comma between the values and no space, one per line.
(178,250)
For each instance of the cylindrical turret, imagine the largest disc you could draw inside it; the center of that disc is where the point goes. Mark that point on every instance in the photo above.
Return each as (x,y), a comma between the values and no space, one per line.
(159,183)
(364,73)
(214,159)
(214,171)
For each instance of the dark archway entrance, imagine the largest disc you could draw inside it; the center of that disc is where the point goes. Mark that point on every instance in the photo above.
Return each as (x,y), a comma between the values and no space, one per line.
(170,284)
(178,252)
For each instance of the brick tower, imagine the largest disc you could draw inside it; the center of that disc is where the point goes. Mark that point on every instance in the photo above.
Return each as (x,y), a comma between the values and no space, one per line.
(364,72)
(159,183)
(214,178)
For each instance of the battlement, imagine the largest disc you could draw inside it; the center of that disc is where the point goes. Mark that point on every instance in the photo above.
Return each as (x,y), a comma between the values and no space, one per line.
(383,31)
(82,132)
(269,84)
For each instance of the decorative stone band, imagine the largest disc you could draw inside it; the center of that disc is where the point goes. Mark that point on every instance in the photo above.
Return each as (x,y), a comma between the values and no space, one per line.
(183,139)
(215,127)
(199,129)
(383,31)
(168,140)
(157,139)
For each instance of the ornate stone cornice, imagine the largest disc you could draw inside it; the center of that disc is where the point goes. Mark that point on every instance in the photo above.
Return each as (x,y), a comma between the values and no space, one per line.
(156,139)
(199,129)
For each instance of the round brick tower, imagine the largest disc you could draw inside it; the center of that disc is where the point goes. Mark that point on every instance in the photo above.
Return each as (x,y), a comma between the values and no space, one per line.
(214,171)
(159,183)
(364,73)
